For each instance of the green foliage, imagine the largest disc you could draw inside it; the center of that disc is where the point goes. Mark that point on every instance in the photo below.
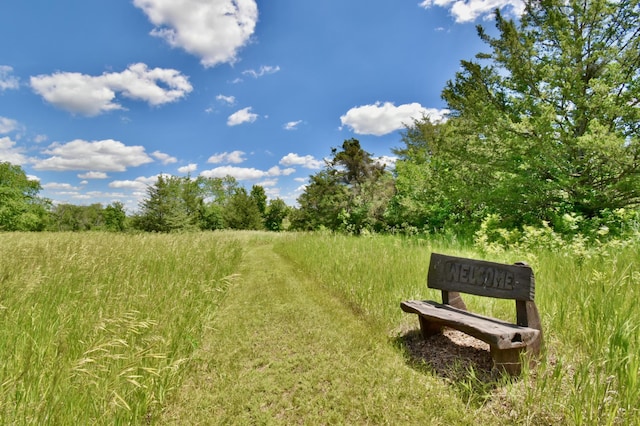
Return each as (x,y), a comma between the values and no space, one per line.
(321,202)
(277,211)
(430,194)
(185,204)
(542,126)
(350,194)
(20,207)
(114,217)
(259,197)
(171,205)
(242,211)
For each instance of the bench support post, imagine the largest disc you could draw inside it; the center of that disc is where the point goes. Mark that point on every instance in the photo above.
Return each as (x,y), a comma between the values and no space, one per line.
(428,328)
(507,360)
(454,299)
(528,316)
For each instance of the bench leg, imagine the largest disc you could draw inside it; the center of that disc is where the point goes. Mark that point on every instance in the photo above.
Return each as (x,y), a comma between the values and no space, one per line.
(428,328)
(507,360)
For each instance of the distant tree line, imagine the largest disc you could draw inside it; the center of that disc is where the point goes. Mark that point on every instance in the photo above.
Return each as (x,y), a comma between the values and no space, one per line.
(543,130)
(171,204)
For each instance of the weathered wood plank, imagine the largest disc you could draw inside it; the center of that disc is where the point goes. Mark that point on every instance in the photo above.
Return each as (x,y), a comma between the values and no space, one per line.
(498,334)
(482,278)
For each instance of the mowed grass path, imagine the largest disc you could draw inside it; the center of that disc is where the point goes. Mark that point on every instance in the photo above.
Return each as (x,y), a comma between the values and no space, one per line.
(282,350)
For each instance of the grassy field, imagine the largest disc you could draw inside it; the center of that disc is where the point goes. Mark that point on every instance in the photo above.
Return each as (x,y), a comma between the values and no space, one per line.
(95,328)
(588,302)
(259,328)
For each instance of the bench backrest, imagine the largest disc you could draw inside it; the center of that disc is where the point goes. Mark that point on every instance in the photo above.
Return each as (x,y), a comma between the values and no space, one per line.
(482,278)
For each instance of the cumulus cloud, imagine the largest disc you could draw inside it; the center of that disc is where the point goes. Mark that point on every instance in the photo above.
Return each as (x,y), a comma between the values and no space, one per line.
(234,157)
(9,152)
(93,175)
(100,156)
(60,186)
(164,158)
(229,100)
(212,30)
(192,167)
(292,125)
(470,10)
(93,95)
(138,184)
(265,69)
(383,118)
(8,81)
(307,161)
(243,116)
(7,125)
(246,173)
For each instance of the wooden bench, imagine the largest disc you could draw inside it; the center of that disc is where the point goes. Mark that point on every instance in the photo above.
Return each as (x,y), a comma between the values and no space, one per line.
(455,275)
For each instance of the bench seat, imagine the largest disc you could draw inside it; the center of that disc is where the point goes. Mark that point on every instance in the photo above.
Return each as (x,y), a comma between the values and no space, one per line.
(498,334)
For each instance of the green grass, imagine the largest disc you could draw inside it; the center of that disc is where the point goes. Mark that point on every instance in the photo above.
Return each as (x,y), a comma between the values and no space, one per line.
(262,328)
(285,351)
(97,328)
(590,372)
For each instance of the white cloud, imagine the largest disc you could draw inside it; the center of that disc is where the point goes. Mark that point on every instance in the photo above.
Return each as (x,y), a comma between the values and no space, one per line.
(234,157)
(7,125)
(60,186)
(265,69)
(7,81)
(188,168)
(102,156)
(93,95)
(268,183)
(138,184)
(243,116)
(164,158)
(9,152)
(246,173)
(470,10)
(229,100)
(308,161)
(277,171)
(93,175)
(213,30)
(292,125)
(40,138)
(380,119)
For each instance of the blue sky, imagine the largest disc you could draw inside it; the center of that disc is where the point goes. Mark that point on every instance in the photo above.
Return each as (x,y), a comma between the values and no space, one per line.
(99,97)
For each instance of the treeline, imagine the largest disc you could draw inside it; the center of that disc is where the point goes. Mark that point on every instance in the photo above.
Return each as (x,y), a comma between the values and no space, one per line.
(542,131)
(171,204)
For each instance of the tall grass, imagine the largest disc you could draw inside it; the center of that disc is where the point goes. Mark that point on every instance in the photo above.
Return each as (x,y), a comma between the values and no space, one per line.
(590,371)
(98,328)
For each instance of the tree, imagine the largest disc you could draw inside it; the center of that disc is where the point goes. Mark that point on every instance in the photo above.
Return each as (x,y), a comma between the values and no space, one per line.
(259,196)
(357,163)
(321,202)
(350,194)
(20,207)
(115,217)
(426,197)
(277,211)
(242,212)
(548,120)
(216,194)
(165,209)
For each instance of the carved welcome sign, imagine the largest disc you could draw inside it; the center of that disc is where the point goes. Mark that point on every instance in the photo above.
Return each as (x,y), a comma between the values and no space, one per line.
(481,278)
